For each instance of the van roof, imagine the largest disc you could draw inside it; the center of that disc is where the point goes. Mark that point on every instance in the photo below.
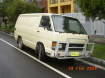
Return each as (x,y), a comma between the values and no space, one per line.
(40,14)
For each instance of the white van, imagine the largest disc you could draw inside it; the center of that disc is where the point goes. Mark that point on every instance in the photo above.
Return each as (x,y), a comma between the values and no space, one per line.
(52,35)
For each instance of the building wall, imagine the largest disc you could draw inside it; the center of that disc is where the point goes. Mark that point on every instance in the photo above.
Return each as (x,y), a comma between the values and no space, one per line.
(44,5)
(41,3)
(61,6)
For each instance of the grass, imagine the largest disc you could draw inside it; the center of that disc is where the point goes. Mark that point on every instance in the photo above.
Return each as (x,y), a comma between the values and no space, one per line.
(99,51)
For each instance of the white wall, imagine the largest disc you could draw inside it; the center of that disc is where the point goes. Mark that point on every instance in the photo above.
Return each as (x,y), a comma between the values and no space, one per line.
(90,26)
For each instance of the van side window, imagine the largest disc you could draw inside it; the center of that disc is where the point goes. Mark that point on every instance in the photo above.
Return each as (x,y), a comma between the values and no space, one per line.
(45,22)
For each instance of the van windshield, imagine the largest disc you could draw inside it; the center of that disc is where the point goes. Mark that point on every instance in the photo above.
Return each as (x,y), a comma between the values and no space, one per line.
(67,25)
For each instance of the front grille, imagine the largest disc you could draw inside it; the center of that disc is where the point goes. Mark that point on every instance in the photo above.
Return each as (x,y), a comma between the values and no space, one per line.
(76,45)
(71,45)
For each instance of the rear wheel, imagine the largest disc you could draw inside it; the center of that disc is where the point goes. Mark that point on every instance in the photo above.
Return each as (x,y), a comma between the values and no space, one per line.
(20,43)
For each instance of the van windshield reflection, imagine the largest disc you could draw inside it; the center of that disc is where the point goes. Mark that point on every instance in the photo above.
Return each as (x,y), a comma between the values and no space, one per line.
(67,25)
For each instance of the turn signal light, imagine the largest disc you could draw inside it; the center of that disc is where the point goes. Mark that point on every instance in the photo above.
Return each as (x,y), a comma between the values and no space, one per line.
(54,44)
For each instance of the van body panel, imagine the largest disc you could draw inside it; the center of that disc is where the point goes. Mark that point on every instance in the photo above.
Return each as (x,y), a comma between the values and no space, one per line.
(28,26)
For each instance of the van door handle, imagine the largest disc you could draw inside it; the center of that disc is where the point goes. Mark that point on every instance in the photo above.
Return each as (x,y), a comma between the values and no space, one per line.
(38,31)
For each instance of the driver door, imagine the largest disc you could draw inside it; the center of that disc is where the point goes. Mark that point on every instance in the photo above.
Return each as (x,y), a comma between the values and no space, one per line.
(45,31)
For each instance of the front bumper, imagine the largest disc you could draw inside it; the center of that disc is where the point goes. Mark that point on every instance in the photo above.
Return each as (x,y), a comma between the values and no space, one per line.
(84,51)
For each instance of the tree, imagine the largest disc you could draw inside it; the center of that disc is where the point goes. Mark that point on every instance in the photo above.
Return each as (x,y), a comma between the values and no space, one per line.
(2,12)
(92,8)
(1,9)
(15,7)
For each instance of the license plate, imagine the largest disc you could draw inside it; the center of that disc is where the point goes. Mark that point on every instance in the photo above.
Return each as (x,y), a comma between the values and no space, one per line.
(75,53)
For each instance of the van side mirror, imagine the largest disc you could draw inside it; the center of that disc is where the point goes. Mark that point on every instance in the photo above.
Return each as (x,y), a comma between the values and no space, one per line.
(40,25)
(49,28)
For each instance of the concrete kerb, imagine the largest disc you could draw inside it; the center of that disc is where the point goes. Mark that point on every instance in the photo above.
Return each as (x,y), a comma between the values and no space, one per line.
(96,60)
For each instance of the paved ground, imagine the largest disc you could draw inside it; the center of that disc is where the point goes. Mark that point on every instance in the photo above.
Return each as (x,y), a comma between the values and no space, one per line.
(14,64)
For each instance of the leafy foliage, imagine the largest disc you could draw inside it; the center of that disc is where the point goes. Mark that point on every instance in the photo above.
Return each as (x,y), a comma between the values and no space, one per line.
(12,9)
(93,8)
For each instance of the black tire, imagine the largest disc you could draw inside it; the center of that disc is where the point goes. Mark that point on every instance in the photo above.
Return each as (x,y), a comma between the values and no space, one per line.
(41,52)
(20,43)
(36,50)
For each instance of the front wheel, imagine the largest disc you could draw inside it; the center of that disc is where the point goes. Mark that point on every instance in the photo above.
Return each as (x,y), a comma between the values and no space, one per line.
(41,52)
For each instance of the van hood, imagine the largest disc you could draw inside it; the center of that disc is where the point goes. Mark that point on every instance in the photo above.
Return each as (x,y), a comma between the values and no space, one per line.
(72,38)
